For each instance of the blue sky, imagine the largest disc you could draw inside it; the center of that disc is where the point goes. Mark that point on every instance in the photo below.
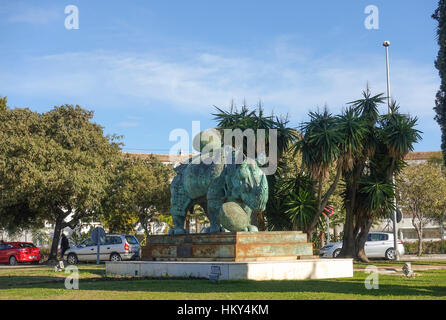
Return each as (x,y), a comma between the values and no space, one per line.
(148,67)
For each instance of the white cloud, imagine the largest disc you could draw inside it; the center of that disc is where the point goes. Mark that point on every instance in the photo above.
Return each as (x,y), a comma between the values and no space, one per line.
(288,80)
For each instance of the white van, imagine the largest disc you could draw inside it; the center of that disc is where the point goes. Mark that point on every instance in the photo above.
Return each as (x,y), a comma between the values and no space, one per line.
(116,247)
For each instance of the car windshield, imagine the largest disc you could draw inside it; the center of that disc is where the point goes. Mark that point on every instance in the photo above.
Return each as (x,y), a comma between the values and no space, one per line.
(131,239)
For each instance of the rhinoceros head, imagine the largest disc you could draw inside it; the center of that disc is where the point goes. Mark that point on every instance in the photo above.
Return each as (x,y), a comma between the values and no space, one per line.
(251,185)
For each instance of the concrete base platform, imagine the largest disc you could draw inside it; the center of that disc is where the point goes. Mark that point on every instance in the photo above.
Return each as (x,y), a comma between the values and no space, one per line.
(256,270)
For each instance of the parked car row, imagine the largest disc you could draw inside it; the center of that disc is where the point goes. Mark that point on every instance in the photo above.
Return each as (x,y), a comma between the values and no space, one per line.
(378,245)
(115,247)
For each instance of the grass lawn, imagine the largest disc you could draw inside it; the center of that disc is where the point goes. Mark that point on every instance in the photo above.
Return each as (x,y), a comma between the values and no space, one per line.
(44,283)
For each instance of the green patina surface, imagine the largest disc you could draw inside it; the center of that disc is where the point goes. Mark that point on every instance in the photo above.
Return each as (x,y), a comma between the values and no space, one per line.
(228,246)
(229,191)
(233,217)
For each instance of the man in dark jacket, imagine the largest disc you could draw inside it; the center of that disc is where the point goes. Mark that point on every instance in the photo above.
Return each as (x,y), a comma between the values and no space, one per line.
(64,245)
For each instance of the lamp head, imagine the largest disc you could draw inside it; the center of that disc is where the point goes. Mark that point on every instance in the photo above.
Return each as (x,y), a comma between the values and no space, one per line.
(386,43)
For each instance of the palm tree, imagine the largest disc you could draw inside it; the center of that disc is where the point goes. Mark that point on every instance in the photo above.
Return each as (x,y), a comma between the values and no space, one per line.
(329,141)
(369,185)
(245,118)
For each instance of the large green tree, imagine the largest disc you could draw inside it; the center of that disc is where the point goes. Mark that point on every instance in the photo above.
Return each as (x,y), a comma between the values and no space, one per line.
(440,64)
(139,194)
(54,167)
(421,191)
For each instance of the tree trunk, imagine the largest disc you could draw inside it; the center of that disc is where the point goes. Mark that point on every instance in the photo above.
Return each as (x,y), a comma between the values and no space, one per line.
(420,241)
(442,233)
(348,241)
(56,238)
(361,256)
(309,235)
(419,229)
(322,201)
(322,237)
(361,238)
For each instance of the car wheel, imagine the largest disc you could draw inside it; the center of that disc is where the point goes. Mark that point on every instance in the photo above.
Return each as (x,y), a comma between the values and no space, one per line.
(72,259)
(390,254)
(115,257)
(336,253)
(12,261)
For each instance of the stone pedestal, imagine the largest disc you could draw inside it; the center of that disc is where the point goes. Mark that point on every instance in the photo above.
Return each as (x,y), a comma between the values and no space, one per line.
(231,246)
(254,270)
(238,255)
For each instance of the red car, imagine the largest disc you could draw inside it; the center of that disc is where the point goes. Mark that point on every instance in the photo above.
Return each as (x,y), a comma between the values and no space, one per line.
(14,252)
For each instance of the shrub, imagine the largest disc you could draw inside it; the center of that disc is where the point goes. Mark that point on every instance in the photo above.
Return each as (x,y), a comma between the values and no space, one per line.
(429,247)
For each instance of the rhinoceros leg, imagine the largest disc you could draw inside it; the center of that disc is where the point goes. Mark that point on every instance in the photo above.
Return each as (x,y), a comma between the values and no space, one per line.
(179,203)
(215,198)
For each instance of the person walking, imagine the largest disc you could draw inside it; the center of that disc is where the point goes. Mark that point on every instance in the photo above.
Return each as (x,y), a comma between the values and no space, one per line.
(64,245)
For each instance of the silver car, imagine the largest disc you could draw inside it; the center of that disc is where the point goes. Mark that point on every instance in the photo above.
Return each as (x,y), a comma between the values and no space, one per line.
(378,245)
(116,247)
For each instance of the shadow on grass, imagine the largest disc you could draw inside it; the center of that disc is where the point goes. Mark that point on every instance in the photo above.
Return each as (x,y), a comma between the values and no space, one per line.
(45,277)
(350,286)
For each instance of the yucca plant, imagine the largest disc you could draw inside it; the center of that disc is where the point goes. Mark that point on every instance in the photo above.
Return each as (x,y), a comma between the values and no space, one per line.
(366,149)
(369,184)
(245,118)
(329,141)
(301,209)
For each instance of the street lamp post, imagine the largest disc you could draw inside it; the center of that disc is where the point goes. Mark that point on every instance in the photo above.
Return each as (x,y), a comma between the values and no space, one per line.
(386,44)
